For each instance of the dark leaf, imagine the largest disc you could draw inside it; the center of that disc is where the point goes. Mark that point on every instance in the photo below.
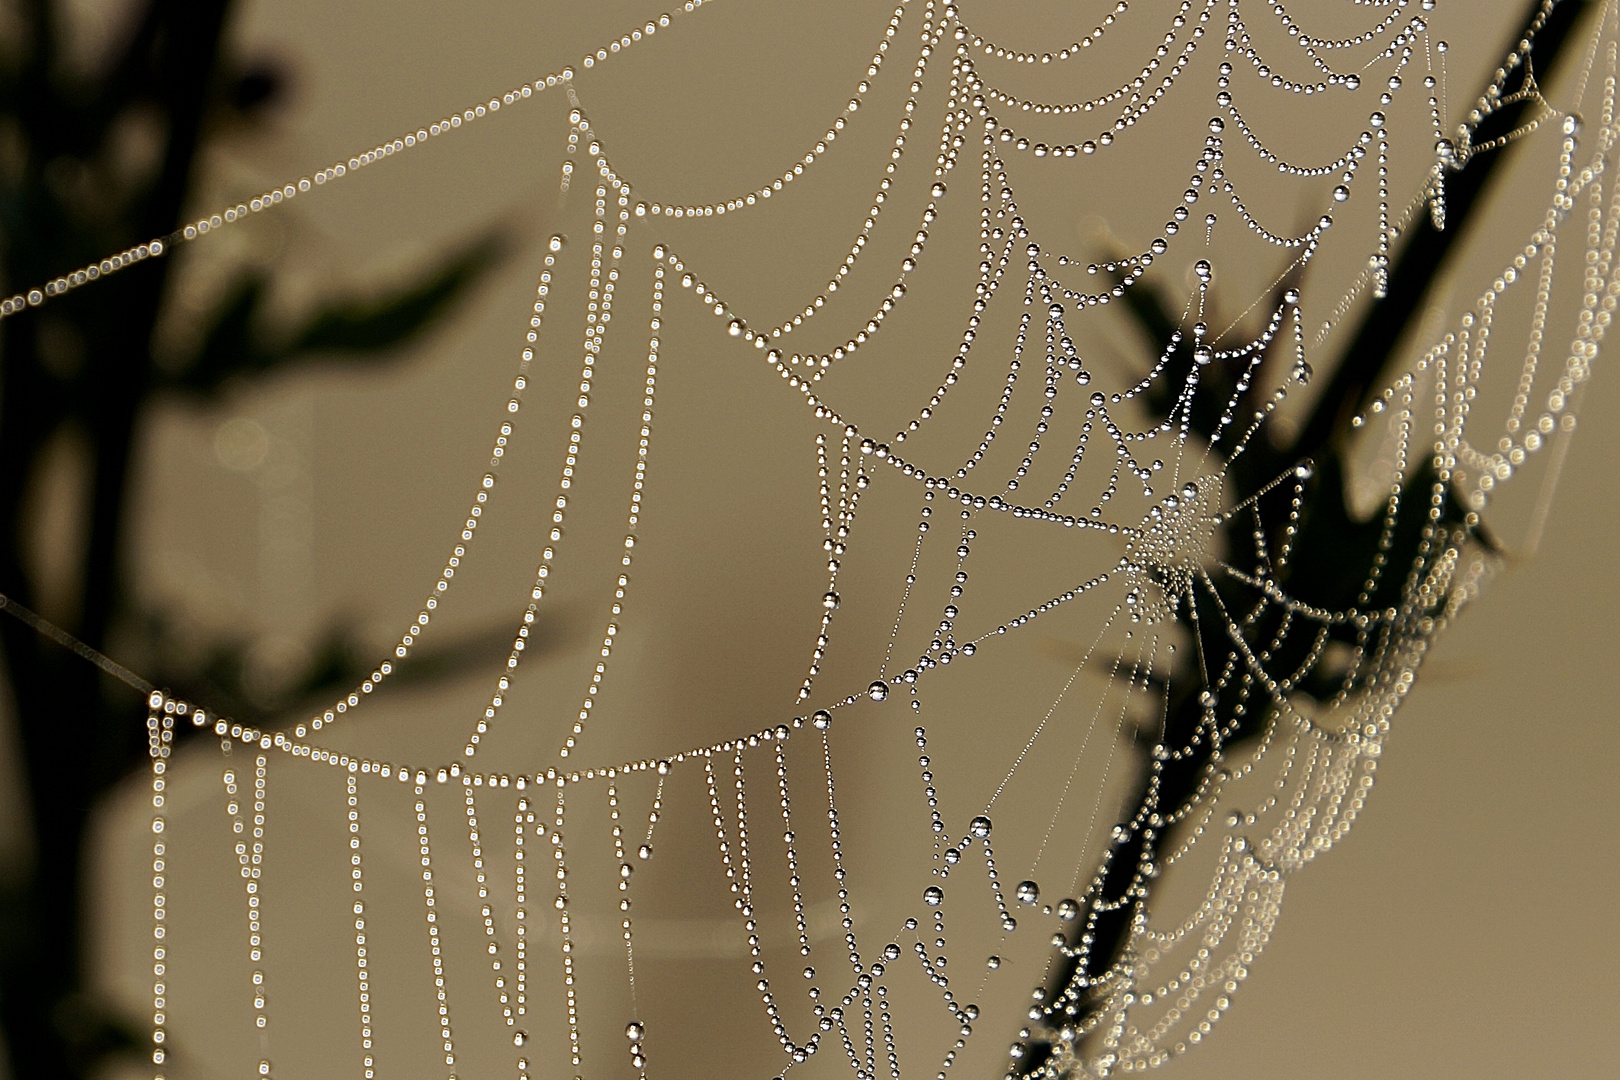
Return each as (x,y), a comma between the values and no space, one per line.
(239,346)
(258,89)
(231,346)
(370,325)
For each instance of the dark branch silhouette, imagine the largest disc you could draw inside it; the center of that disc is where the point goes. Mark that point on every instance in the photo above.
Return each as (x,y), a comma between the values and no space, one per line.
(1332,552)
(87,366)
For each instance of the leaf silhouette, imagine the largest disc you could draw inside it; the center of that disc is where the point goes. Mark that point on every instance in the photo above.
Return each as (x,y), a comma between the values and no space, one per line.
(237,345)
(369,326)
(232,346)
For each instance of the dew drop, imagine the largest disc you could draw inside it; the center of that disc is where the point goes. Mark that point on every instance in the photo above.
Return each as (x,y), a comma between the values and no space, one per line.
(1027,892)
(1067,910)
(992,962)
(644,851)
(979,827)
(933,896)
(634,1031)
(878,690)
(1341,193)
(556,243)
(821,719)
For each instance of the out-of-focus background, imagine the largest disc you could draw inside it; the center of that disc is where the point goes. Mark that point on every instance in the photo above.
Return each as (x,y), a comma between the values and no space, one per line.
(1463,928)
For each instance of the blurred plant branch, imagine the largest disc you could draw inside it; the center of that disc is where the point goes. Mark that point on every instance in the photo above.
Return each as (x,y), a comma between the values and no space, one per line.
(96,157)
(1333,549)
(72,187)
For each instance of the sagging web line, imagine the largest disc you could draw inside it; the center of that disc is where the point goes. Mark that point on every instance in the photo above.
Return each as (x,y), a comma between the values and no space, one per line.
(935,485)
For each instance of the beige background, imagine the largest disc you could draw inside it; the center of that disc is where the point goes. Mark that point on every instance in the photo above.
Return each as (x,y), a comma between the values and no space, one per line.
(1463,928)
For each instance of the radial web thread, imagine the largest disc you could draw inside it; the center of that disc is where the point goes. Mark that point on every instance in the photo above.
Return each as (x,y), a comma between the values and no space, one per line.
(1035,481)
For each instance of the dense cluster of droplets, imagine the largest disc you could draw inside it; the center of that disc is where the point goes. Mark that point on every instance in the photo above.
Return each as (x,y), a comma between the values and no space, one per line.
(1260,814)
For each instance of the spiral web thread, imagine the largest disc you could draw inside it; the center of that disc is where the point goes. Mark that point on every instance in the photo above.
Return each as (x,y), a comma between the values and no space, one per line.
(1301,780)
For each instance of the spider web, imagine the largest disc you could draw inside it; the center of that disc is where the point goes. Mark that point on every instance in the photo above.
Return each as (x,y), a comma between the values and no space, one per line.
(1002,567)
